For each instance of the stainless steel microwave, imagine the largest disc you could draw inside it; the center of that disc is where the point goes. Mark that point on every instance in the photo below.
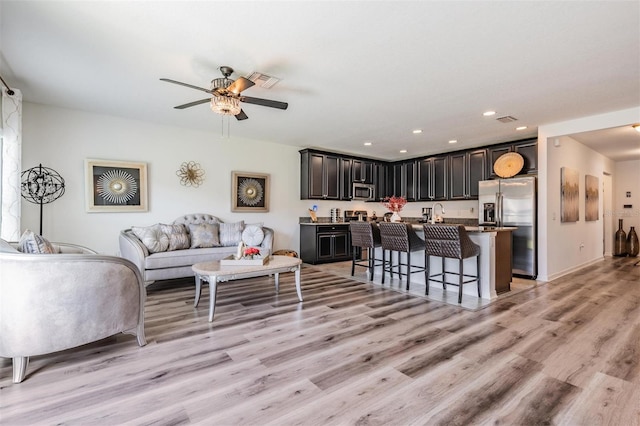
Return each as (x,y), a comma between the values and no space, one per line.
(363,192)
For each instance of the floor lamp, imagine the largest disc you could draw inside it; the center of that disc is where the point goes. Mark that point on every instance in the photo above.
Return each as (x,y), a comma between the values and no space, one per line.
(41,185)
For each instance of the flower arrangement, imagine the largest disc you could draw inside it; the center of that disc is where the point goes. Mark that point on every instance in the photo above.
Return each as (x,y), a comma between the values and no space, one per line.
(394,204)
(250,252)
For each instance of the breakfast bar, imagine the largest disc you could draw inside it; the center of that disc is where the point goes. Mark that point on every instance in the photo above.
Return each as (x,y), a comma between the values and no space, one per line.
(495,260)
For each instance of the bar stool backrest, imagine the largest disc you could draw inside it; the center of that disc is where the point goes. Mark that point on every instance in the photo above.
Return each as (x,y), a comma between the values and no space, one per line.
(450,241)
(395,236)
(364,234)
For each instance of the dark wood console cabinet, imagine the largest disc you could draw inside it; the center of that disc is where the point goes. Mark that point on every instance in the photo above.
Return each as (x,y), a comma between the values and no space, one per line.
(325,243)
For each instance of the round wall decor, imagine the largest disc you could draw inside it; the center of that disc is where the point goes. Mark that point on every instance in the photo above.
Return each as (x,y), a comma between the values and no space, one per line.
(508,165)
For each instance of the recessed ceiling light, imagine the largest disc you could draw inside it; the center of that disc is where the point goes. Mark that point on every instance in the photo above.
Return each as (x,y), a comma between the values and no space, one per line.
(403,151)
(417,131)
(453,141)
(367,144)
(521,128)
(489,113)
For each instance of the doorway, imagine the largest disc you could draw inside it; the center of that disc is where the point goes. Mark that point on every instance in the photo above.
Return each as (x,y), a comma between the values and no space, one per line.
(607,214)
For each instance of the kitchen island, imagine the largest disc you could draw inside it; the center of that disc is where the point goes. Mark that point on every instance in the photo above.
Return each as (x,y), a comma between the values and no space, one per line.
(495,261)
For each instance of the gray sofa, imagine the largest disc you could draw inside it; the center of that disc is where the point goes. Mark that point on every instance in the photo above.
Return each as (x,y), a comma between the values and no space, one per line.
(53,302)
(170,264)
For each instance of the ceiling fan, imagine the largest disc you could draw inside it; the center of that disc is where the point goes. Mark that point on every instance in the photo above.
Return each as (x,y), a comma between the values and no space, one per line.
(225,95)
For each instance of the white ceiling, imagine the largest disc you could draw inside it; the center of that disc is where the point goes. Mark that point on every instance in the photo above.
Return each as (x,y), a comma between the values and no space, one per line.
(351,71)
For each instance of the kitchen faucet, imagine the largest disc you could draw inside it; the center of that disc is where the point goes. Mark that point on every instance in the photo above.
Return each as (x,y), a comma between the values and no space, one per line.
(433,217)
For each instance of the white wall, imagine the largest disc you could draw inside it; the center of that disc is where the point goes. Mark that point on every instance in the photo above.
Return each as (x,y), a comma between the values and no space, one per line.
(552,237)
(574,244)
(62,139)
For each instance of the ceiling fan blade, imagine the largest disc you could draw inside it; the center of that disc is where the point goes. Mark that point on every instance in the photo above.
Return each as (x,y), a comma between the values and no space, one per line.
(239,85)
(186,85)
(264,102)
(241,115)
(194,103)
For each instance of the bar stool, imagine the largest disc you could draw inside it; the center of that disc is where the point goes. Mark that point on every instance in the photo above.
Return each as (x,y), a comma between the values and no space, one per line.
(366,236)
(400,237)
(453,242)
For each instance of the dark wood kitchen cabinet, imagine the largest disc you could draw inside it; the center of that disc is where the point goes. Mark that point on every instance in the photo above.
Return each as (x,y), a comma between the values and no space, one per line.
(405,180)
(528,148)
(380,173)
(467,169)
(529,151)
(432,177)
(319,176)
(325,243)
(363,171)
(346,185)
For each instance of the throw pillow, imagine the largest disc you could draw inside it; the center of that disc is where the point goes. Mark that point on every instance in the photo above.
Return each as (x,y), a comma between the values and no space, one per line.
(178,237)
(204,235)
(154,239)
(253,234)
(231,233)
(31,242)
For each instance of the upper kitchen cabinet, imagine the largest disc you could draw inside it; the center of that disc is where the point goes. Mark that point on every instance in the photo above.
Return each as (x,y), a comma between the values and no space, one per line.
(346,185)
(467,169)
(380,173)
(432,177)
(405,182)
(528,148)
(529,151)
(319,176)
(363,171)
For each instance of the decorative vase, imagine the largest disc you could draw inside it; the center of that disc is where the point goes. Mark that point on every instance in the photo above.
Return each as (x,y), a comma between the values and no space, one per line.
(632,243)
(620,248)
(395,217)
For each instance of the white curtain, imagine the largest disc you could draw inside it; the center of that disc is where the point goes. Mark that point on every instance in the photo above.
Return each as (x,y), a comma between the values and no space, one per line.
(10,165)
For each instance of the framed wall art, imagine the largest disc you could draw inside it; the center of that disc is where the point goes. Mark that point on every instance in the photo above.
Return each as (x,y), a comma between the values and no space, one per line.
(249,192)
(570,189)
(591,195)
(115,186)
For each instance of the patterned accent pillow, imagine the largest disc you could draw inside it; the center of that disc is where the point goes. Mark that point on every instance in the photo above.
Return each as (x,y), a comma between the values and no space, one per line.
(152,237)
(253,234)
(178,237)
(204,235)
(231,233)
(31,242)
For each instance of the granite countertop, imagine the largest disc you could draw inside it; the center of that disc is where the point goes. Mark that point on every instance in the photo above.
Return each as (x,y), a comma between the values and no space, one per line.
(417,225)
(476,228)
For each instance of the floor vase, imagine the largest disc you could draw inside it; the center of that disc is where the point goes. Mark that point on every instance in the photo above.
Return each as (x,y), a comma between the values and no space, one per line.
(620,243)
(632,243)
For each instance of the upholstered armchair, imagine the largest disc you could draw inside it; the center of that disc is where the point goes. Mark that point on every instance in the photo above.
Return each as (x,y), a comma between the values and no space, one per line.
(53,302)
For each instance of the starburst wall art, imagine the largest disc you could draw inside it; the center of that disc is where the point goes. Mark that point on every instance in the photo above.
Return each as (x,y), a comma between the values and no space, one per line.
(249,192)
(115,186)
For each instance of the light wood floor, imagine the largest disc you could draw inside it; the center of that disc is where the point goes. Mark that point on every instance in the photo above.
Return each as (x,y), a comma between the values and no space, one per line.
(567,352)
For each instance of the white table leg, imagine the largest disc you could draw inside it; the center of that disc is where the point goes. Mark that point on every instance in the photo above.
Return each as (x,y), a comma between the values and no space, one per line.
(277,278)
(213,292)
(198,290)
(298,284)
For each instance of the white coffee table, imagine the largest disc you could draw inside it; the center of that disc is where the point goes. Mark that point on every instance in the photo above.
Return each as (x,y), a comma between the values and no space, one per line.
(213,273)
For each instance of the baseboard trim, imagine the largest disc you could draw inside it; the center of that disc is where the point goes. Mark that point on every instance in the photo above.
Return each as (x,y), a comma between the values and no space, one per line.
(574,269)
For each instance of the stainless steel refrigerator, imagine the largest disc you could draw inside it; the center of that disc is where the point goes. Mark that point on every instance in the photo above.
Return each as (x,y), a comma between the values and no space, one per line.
(512,202)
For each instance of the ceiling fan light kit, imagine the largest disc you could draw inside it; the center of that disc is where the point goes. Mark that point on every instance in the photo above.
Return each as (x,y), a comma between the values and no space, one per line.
(226,105)
(225,95)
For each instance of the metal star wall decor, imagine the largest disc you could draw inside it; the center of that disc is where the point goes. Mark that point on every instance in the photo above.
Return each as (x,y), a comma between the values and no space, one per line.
(190,174)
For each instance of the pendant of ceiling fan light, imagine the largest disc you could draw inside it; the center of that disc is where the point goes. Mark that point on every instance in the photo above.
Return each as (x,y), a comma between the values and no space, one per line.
(224,104)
